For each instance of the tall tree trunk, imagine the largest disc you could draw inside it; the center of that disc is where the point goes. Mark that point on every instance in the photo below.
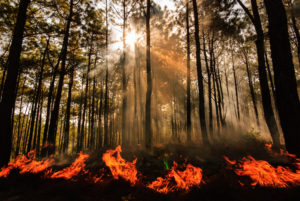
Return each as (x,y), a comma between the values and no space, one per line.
(68,111)
(35,140)
(55,111)
(148,126)
(100,112)
(135,125)
(200,77)
(227,83)
(4,65)
(188,84)
(295,28)
(85,102)
(19,120)
(38,147)
(92,137)
(211,62)
(270,74)
(124,79)
(210,118)
(218,87)
(250,83)
(266,97)
(79,141)
(49,102)
(235,87)
(38,94)
(287,99)
(9,97)
(264,87)
(25,139)
(106,96)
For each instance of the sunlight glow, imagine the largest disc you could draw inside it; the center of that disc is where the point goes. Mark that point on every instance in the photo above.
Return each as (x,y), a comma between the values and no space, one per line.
(131,39)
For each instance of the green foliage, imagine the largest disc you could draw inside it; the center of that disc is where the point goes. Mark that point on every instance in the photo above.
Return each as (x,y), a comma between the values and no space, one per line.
(252,135)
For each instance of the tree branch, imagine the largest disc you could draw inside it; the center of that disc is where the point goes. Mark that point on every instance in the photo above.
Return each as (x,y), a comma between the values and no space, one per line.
(247,11)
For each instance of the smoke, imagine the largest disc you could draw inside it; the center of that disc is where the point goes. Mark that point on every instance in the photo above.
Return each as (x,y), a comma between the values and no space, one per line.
(168,63)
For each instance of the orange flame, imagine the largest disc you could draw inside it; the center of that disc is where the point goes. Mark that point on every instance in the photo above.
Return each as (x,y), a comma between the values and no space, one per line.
(293,157)
(119,167)
(191,176)
(26,164)
(77,166)
(264,174)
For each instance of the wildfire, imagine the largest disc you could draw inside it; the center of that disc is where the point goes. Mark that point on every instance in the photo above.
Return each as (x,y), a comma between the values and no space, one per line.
(26,164)
(77,166)
(191,176)
(119,167)
(264,174)
(260,172)
(292,157)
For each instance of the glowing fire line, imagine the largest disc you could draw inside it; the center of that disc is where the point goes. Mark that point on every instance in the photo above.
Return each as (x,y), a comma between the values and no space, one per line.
(260,172)
(264,174)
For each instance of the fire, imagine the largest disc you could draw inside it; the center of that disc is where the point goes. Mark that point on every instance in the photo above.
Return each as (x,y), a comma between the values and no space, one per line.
(119,167)
(264,174)
(77,166)
(191,176)
(260,172)
(162,185)
(26,164)
(292,157)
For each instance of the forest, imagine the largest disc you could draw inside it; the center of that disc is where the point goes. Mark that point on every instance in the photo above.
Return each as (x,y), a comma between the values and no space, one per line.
(193,81)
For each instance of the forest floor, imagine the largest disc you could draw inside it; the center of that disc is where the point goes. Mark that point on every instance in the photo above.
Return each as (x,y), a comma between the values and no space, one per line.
(220,182)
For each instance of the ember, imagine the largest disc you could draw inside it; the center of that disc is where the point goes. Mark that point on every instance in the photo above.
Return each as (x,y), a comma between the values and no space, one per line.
(119,167)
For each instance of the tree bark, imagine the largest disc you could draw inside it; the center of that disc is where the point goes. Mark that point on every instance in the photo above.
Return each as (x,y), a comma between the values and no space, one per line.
(19,120)
(106,95)
(55,111)
(148,127)
(92,136)
(287,99)
(79,141)
(263,81)
(250,83)
(38,94)
(295,28)
(210,116)
(188,84)
(9,96)
(68,111)
(85,102)
(200,77)
(235,87)
(270,74)
(49,102)
(124,80)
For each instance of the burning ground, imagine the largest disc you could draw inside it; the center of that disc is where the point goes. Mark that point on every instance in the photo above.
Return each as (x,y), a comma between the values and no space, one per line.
(171,172)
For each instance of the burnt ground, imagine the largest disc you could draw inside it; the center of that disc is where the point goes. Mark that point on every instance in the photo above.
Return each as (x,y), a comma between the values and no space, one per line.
(221,183)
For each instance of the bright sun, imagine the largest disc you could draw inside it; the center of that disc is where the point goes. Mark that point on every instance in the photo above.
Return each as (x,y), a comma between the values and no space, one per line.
(131,39)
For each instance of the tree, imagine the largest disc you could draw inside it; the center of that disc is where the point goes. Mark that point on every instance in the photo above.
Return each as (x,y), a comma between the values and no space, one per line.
(148,125)
(188,84)
(265,92)
(55,111)
(9,96)
(287,99)
(199,76)
(250,83)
